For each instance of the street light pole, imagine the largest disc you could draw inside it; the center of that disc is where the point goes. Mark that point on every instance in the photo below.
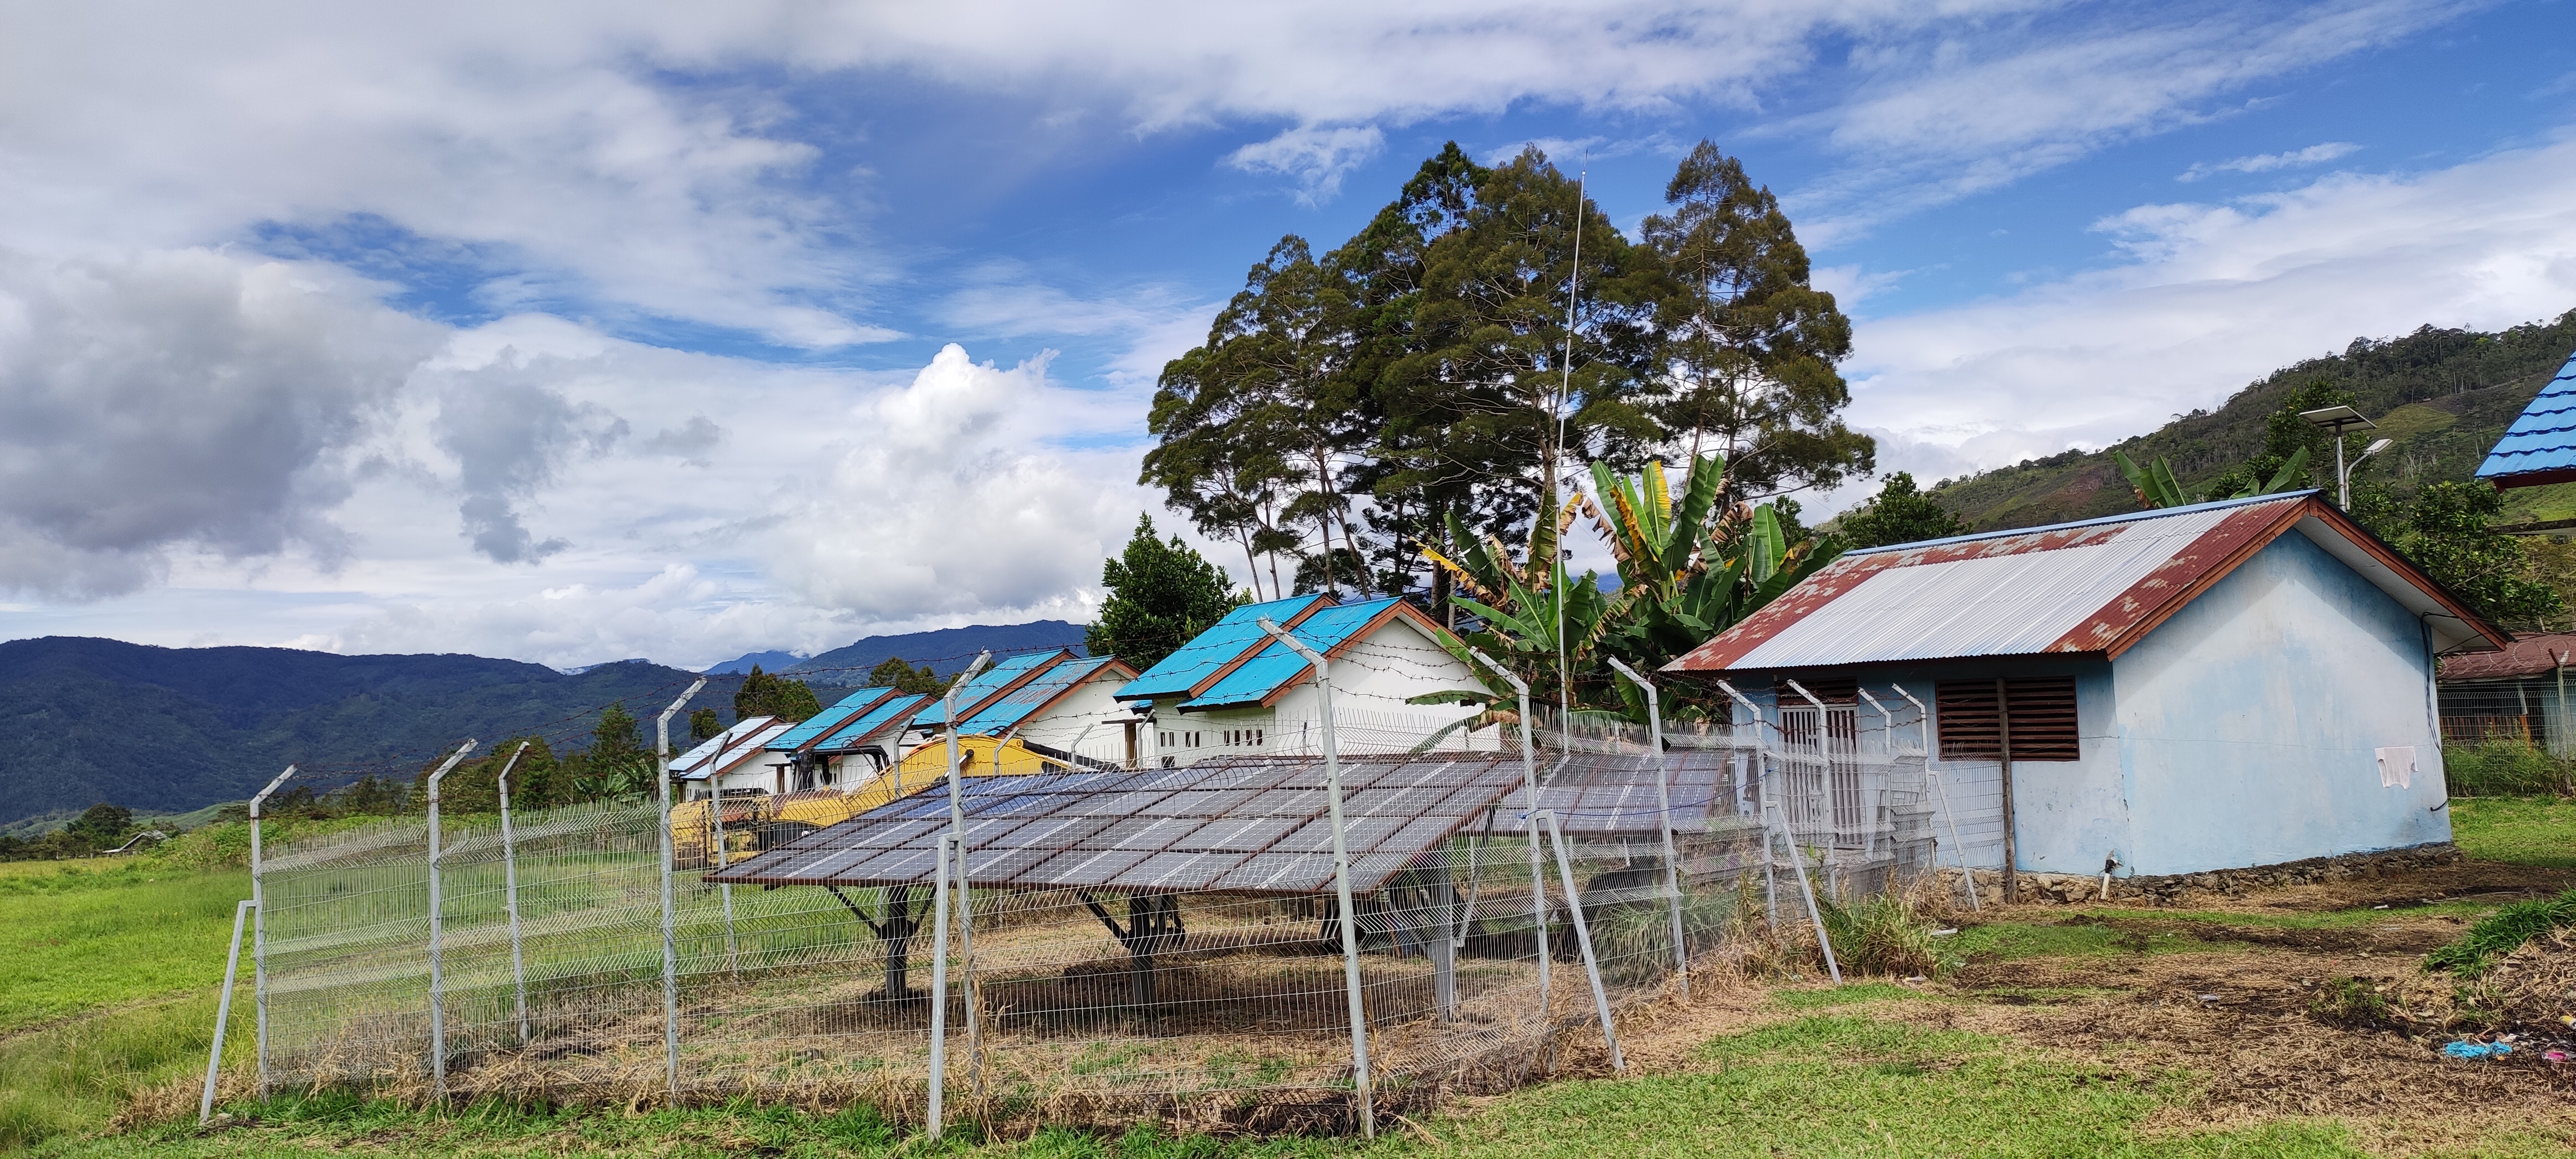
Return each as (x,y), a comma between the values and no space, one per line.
(2334,419)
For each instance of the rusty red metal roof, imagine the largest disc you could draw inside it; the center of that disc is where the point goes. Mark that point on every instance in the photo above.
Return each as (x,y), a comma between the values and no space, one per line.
(2093,587)
(2526,656)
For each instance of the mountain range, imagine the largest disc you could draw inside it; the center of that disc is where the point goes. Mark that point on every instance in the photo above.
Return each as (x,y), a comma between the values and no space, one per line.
(166,730)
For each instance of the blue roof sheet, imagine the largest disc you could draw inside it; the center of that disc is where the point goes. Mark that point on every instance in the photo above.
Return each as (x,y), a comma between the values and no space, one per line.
(1239,632)
(1276,666)
(827,720)
(2543,437)
(1029,697)
(988,682)
(886,712)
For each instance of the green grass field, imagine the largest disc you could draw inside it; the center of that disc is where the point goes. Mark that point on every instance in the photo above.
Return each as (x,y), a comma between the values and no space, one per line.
(106,988)
(1816,1085)
(2522,830)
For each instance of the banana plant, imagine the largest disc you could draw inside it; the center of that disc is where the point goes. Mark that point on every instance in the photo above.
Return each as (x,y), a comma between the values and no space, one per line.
(2156,486)
(1523,604)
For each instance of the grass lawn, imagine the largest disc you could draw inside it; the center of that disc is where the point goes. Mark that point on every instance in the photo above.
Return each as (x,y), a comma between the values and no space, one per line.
(1817,1085)
(2519,830)
(107,985)
(77,937)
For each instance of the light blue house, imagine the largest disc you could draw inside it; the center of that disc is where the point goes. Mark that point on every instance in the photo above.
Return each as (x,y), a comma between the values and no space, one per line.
(2225,685)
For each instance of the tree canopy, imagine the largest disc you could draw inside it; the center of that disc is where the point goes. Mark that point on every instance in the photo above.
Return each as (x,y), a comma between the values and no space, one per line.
(902,677)
(1161,593)
(1483,339)
(1899,513)
(768,694)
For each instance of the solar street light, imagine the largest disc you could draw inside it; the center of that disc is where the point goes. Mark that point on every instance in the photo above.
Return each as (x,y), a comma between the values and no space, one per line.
(2334,419)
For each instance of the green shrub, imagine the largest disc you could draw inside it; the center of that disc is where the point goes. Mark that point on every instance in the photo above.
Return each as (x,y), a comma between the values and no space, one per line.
(2505,768)
(1883,935)
(2502,933)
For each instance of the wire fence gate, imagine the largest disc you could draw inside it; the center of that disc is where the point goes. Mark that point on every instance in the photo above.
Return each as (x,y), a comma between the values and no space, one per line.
(1288,940)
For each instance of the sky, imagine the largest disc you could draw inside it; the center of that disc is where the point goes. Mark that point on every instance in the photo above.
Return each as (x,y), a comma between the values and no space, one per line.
(583,331)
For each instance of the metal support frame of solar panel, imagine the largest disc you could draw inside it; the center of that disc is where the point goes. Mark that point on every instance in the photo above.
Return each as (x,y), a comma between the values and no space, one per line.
(1247,825)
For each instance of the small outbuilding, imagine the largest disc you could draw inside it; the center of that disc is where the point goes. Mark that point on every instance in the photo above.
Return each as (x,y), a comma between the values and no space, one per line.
(733,761)
(1232,690)
(2223,685)
(2518,694)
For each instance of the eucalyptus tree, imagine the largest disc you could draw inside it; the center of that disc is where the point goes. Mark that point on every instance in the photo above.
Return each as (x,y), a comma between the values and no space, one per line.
(1748,345)
(1216,464)
(1498,398)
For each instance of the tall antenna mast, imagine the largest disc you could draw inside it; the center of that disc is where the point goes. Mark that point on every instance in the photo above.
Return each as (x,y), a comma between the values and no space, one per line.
(1564,396)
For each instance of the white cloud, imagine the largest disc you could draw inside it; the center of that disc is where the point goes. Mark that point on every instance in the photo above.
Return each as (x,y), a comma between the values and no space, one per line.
(1316,157)
(164,401)
(1851,285)
(1945,116)
(2266,162)
(2214,296)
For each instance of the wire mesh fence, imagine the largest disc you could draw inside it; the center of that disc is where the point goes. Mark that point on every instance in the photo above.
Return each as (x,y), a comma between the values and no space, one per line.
(1129,942)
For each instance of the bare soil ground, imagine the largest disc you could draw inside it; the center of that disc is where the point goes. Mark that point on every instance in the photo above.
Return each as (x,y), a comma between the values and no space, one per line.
(2241,1012)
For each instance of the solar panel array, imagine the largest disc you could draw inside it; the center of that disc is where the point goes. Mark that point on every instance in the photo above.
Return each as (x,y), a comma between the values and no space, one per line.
(828,719)
(1238,632)
(1250,825)
(1598,794)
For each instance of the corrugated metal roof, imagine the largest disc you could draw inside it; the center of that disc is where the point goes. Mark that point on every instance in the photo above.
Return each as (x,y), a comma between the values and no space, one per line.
(2542,440)
(989,683)
(1034,695)
(1207,653)
(1274,667)
(728,748)
(2527,656)
(2090,587)
(820,724)
(872,722)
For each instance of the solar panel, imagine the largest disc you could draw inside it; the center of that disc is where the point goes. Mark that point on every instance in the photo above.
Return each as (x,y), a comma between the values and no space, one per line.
(1279,664)
(1598,793)
(1238,632)
(828,719)
(1252,824)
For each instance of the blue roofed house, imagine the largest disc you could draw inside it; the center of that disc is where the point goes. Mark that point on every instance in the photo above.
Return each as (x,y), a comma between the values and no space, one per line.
(2219,686)
(1233,690)
(2540,447)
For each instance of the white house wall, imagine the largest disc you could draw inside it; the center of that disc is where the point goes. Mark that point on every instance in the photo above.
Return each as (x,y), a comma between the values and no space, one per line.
(2250,720)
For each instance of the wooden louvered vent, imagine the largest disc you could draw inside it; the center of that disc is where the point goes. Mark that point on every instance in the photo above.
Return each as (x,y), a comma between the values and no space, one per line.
(2043,719)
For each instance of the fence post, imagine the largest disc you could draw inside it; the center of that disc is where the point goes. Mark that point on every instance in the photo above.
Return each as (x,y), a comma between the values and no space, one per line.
(715,814)
(1583,936)
(1341,875)
(965,898)
(259,929)
(939,981)
(223,1014)
(1664,804)
(1958,848)
(1529,801)
(1762,793)
(437,993)
(510,891)
(670,908)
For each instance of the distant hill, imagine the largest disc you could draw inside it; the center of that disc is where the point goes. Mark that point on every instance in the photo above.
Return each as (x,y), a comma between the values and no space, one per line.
(165,730)
(2445,396)
(946,650)
(768,661)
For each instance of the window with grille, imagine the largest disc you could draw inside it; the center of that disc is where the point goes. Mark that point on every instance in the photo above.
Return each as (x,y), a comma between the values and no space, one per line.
(2042,711)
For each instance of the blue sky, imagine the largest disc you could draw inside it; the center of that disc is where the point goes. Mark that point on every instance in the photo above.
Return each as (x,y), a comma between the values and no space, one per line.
(616,329)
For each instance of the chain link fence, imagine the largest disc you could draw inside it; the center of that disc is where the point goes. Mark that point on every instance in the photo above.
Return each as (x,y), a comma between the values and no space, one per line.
(1498,916)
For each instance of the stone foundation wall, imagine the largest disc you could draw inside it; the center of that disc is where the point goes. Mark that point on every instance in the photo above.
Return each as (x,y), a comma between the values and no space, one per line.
(2181,888)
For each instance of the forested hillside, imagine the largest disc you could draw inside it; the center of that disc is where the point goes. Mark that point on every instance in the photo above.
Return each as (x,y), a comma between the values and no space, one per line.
(946,649)
(2445,396)
(171,729)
